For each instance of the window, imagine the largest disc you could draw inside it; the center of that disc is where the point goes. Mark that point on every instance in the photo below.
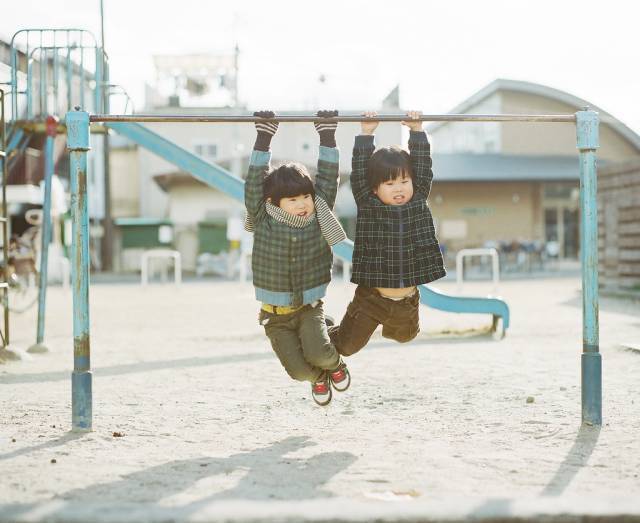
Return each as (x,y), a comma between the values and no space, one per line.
(490,146)
(207,151)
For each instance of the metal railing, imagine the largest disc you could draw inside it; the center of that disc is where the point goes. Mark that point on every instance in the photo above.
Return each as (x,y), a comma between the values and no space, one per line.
(67,66)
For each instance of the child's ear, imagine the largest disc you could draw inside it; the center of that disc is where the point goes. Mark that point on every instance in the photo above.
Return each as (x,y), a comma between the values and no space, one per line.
(269,200)
(375,191)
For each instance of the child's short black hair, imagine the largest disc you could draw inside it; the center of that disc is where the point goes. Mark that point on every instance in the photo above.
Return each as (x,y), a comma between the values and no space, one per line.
(286,181)
(388,163)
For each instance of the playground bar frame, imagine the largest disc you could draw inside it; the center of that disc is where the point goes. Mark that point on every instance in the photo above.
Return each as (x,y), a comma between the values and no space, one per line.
(142,118)
(587,131)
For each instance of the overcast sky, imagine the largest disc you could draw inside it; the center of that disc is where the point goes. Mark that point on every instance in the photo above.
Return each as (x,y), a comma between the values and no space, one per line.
(439,51)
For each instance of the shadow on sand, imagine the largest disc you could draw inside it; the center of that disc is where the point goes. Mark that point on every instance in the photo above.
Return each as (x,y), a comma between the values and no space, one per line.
(134,368)
(57,442)
(265,473)
(577,458)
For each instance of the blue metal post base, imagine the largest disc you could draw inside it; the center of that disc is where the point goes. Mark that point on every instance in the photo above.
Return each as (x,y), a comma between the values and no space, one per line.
(592,388)
(81,405)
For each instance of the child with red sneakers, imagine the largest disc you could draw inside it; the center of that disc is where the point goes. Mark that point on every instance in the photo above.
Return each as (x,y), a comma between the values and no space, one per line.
(294,228)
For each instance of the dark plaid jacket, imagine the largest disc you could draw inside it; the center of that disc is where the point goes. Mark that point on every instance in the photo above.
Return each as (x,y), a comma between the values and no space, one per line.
(395,245)
(291,266)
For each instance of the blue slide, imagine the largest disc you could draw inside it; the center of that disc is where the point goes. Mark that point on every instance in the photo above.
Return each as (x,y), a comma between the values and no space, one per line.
(223,180)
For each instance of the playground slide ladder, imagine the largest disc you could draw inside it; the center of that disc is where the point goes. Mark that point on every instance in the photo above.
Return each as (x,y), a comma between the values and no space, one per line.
(223,180)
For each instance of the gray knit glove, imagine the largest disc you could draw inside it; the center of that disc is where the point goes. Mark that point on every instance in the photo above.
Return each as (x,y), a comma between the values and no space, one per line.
(266,130)
(326,130)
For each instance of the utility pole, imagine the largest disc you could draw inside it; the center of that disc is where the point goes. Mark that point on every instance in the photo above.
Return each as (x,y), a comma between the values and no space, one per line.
(107,223)
(236,55)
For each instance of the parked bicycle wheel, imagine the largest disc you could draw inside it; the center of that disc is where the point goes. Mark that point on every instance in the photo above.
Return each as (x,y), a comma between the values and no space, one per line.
(23,285)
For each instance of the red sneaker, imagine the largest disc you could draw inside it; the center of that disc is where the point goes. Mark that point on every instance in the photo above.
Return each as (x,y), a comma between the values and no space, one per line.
(340,377)
(320,391)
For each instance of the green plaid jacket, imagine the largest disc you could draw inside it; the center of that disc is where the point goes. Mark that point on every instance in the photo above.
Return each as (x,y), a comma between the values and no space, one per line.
(396,245)
(291,266)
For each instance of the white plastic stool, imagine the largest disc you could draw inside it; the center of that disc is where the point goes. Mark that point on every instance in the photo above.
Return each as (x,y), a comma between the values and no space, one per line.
(160,253)
(495,264)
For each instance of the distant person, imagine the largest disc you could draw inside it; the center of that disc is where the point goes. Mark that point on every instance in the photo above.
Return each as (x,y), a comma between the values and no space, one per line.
(396,248)
(294,228)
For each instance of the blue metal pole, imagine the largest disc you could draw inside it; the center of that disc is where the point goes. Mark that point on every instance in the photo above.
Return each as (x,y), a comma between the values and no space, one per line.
(29,90)
(55,75)
(587,135)
(81,394)
(69,76)
(81,71)
(14,81)
(43,81)
(51,127)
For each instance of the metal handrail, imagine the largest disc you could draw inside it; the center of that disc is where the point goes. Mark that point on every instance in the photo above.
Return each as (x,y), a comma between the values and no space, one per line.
(43,78)
(49,39)
(118,90)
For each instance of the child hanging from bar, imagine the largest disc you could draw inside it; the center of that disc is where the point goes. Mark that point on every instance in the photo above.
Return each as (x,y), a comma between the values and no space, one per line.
(396,247)
(294,228)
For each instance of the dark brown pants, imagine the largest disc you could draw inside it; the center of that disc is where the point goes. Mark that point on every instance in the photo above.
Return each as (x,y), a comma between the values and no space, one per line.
(399,320)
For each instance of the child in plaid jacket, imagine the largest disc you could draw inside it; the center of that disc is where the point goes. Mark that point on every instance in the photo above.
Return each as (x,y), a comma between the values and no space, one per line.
(294,228)
(396,247)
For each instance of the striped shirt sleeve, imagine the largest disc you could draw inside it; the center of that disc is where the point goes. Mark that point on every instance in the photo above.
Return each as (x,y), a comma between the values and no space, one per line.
(253,187)
(328,174)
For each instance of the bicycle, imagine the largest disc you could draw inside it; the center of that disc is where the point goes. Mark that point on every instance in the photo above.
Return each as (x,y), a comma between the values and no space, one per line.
(22,274)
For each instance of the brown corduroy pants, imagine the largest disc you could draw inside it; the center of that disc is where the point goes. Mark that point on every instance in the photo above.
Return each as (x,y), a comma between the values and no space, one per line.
(367,310)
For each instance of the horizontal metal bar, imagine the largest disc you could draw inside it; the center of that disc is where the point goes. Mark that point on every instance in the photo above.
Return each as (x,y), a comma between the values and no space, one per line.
(36,126)
(4,285)
(563,118)
(3,154)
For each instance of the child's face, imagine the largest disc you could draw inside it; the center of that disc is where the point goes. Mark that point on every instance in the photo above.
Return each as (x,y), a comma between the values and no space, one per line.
(301,205)
(395,192)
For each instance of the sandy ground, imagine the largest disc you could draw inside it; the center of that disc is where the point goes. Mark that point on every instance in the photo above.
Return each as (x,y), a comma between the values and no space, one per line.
(448,427)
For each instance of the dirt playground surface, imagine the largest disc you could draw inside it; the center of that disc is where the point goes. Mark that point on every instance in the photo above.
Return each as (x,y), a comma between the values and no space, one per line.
(195,420)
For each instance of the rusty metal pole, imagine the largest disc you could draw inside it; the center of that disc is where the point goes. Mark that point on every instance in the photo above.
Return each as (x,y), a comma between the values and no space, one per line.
(81,391)
(51,130)
(587,137)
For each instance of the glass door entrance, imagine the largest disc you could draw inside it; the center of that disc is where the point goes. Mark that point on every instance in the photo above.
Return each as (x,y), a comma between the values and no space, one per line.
(562,231)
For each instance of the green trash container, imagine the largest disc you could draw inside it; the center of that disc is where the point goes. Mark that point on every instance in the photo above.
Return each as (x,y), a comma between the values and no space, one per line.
(212,237)
(146,233)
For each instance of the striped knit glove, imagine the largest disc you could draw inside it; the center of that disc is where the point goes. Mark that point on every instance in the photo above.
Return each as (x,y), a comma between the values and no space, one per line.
(266,130)
(326,130)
